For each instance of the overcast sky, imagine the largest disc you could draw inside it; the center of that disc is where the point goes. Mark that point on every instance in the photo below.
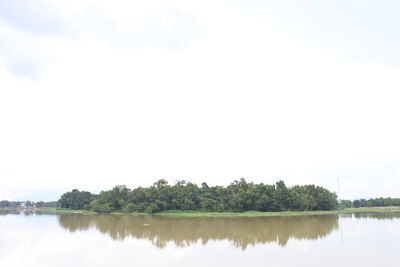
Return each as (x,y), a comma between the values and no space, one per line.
(98,93)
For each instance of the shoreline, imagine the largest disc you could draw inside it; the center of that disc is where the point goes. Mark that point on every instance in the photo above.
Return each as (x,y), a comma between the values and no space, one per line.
(226,214)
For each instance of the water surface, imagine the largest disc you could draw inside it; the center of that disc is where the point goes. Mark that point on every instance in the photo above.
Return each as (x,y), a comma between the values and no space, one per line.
(370,239)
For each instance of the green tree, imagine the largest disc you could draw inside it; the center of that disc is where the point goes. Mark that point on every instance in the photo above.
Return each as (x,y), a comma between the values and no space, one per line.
(76,199)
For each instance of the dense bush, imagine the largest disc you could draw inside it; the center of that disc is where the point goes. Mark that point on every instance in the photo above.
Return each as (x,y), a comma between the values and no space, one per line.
(239,196)
(76,199)
(376,202)
(373,202)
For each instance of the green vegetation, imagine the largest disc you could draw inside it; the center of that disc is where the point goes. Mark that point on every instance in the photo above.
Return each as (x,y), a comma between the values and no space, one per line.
(177,213)
(76,199)
(376,202)
(282,213)
(5,204)
(373,202)
(48,204)
(239,196)
(63,210)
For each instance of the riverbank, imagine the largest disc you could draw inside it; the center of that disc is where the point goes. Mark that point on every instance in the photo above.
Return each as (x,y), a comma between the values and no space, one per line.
(230,214)
(64,211)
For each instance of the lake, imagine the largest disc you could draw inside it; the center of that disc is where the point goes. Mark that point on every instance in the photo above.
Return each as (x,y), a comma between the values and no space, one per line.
(367,239)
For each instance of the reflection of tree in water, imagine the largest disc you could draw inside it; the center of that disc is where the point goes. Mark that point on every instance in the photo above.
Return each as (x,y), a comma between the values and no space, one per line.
(378,215)
(75,222)
(186,231)
(17,212)
(6,212)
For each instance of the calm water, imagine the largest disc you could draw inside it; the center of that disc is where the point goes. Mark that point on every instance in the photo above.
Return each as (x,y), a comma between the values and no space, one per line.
(124,240)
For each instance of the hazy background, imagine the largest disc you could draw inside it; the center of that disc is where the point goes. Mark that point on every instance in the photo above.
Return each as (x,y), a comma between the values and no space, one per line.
(98,93)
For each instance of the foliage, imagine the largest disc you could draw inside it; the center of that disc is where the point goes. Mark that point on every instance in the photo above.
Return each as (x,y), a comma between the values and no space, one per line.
(76,199)
(373,202)
(239,196)
(28,203)
(48,204)
(97,206)
(131,207)
(9,204)
(345,204)
(376,202)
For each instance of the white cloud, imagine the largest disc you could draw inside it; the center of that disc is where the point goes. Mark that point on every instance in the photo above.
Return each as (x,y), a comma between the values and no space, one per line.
(41,17)
(240,97)
(30,33)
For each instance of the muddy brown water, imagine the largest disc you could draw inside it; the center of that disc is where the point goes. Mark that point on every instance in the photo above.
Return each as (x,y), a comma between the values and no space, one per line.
(367,239)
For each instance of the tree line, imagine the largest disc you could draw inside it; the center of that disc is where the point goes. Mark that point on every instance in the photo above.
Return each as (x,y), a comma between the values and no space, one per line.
(9,204)
(373,202)
(239,196)
(15,204)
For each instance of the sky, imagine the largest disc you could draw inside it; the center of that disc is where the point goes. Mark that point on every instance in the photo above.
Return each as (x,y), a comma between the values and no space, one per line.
(97,93)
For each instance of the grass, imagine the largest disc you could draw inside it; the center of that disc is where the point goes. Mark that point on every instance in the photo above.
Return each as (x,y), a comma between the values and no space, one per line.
(64,211)
(177,213)
(88,212)
(7,208)
(268,214)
